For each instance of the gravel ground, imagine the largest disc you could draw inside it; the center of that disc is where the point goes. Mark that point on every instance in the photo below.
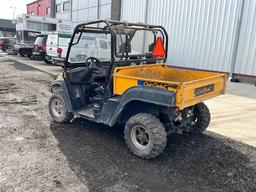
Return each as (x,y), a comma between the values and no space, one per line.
(39,155)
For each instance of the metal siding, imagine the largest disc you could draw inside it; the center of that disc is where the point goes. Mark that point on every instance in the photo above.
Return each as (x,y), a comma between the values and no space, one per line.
(133,10)
(201,32)
(246,54)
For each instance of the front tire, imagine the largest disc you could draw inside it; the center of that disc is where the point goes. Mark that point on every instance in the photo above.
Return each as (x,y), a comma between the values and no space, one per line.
(201,119)
(58,110)
(145,136)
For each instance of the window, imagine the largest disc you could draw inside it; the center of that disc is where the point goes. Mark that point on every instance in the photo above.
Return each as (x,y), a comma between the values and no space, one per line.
(64,40)
(66,6)
(32,25)
(20,20)
(48,27)
(40,39)
(86,45)
(48,10)
(58,8)
(103,44)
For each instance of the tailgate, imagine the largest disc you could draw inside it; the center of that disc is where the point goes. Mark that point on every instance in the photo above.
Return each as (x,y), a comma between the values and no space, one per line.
(191,93)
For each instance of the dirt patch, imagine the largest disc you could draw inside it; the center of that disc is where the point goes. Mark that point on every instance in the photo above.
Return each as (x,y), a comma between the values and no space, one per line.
(29,156)
(8,87)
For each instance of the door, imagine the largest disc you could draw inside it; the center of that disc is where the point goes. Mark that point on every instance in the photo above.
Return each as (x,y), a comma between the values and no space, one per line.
(51,45)
(64,40)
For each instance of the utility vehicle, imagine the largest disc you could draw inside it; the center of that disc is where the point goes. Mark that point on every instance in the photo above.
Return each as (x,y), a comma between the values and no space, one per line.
(133,87)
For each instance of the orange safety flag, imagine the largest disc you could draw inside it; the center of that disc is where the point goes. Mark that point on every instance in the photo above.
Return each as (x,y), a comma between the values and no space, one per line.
(158,50)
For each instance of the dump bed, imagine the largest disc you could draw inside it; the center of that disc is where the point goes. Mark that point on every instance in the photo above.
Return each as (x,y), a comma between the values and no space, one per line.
(190,86)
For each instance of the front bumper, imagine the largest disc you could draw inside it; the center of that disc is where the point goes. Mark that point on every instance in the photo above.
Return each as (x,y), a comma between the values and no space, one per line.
(58,61)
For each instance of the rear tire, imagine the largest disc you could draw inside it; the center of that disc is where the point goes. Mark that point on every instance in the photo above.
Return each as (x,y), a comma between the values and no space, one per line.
(145,135)
(202,118)
(58,110)
(47,61)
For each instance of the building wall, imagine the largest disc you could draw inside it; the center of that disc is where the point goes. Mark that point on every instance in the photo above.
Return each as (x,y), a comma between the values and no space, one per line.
(133,11)
(63,14)
(39,8)
(203,33)
(200,32)
(89,10)
(246,53)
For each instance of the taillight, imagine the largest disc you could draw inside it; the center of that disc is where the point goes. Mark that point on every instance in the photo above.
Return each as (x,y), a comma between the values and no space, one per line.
(42,47)
(59,51)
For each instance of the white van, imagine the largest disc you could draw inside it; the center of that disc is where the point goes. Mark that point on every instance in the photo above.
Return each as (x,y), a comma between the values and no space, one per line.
(57,46)
(90,46)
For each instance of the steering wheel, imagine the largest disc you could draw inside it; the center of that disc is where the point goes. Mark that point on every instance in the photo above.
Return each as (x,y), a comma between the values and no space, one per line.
(95,66)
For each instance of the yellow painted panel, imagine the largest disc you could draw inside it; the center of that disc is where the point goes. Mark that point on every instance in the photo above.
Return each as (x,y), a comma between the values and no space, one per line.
(183,82)
(188,91)
(122,84)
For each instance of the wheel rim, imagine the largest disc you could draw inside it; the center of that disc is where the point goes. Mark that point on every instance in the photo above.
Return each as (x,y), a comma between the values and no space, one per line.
(57,108)
(194,120)
(140,137)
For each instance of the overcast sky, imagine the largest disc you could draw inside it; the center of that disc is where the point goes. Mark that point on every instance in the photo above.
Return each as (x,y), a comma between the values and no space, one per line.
(6,11)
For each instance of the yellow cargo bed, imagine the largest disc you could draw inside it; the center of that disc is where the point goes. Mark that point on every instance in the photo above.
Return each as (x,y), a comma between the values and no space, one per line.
(190,86)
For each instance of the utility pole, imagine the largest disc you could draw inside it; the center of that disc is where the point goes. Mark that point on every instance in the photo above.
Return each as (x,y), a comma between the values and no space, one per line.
(13,13)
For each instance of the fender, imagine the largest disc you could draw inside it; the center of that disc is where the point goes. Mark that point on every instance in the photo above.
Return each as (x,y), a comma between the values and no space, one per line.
(61,83)
(160,97)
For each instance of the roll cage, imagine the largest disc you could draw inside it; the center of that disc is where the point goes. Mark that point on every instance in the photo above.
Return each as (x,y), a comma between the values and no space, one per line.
(115,28)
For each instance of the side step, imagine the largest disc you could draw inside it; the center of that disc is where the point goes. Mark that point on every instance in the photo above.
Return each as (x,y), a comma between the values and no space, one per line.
(87,111)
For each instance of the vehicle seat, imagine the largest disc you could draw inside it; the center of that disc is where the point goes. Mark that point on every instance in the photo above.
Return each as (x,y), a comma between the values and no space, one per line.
(80,75)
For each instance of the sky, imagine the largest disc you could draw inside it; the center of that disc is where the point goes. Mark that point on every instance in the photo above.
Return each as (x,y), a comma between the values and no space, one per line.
(6,11)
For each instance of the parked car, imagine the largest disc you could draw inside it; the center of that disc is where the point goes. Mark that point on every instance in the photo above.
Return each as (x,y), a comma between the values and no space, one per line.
(5,42)
(39,48)
(1,42)
(56,46)
(9,47)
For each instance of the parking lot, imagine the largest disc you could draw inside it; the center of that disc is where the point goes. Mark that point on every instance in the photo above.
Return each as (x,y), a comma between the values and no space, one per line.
(85,156)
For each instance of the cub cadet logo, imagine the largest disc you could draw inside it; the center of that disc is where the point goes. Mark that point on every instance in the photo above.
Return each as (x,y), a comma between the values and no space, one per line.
(152,84)
(204,90)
